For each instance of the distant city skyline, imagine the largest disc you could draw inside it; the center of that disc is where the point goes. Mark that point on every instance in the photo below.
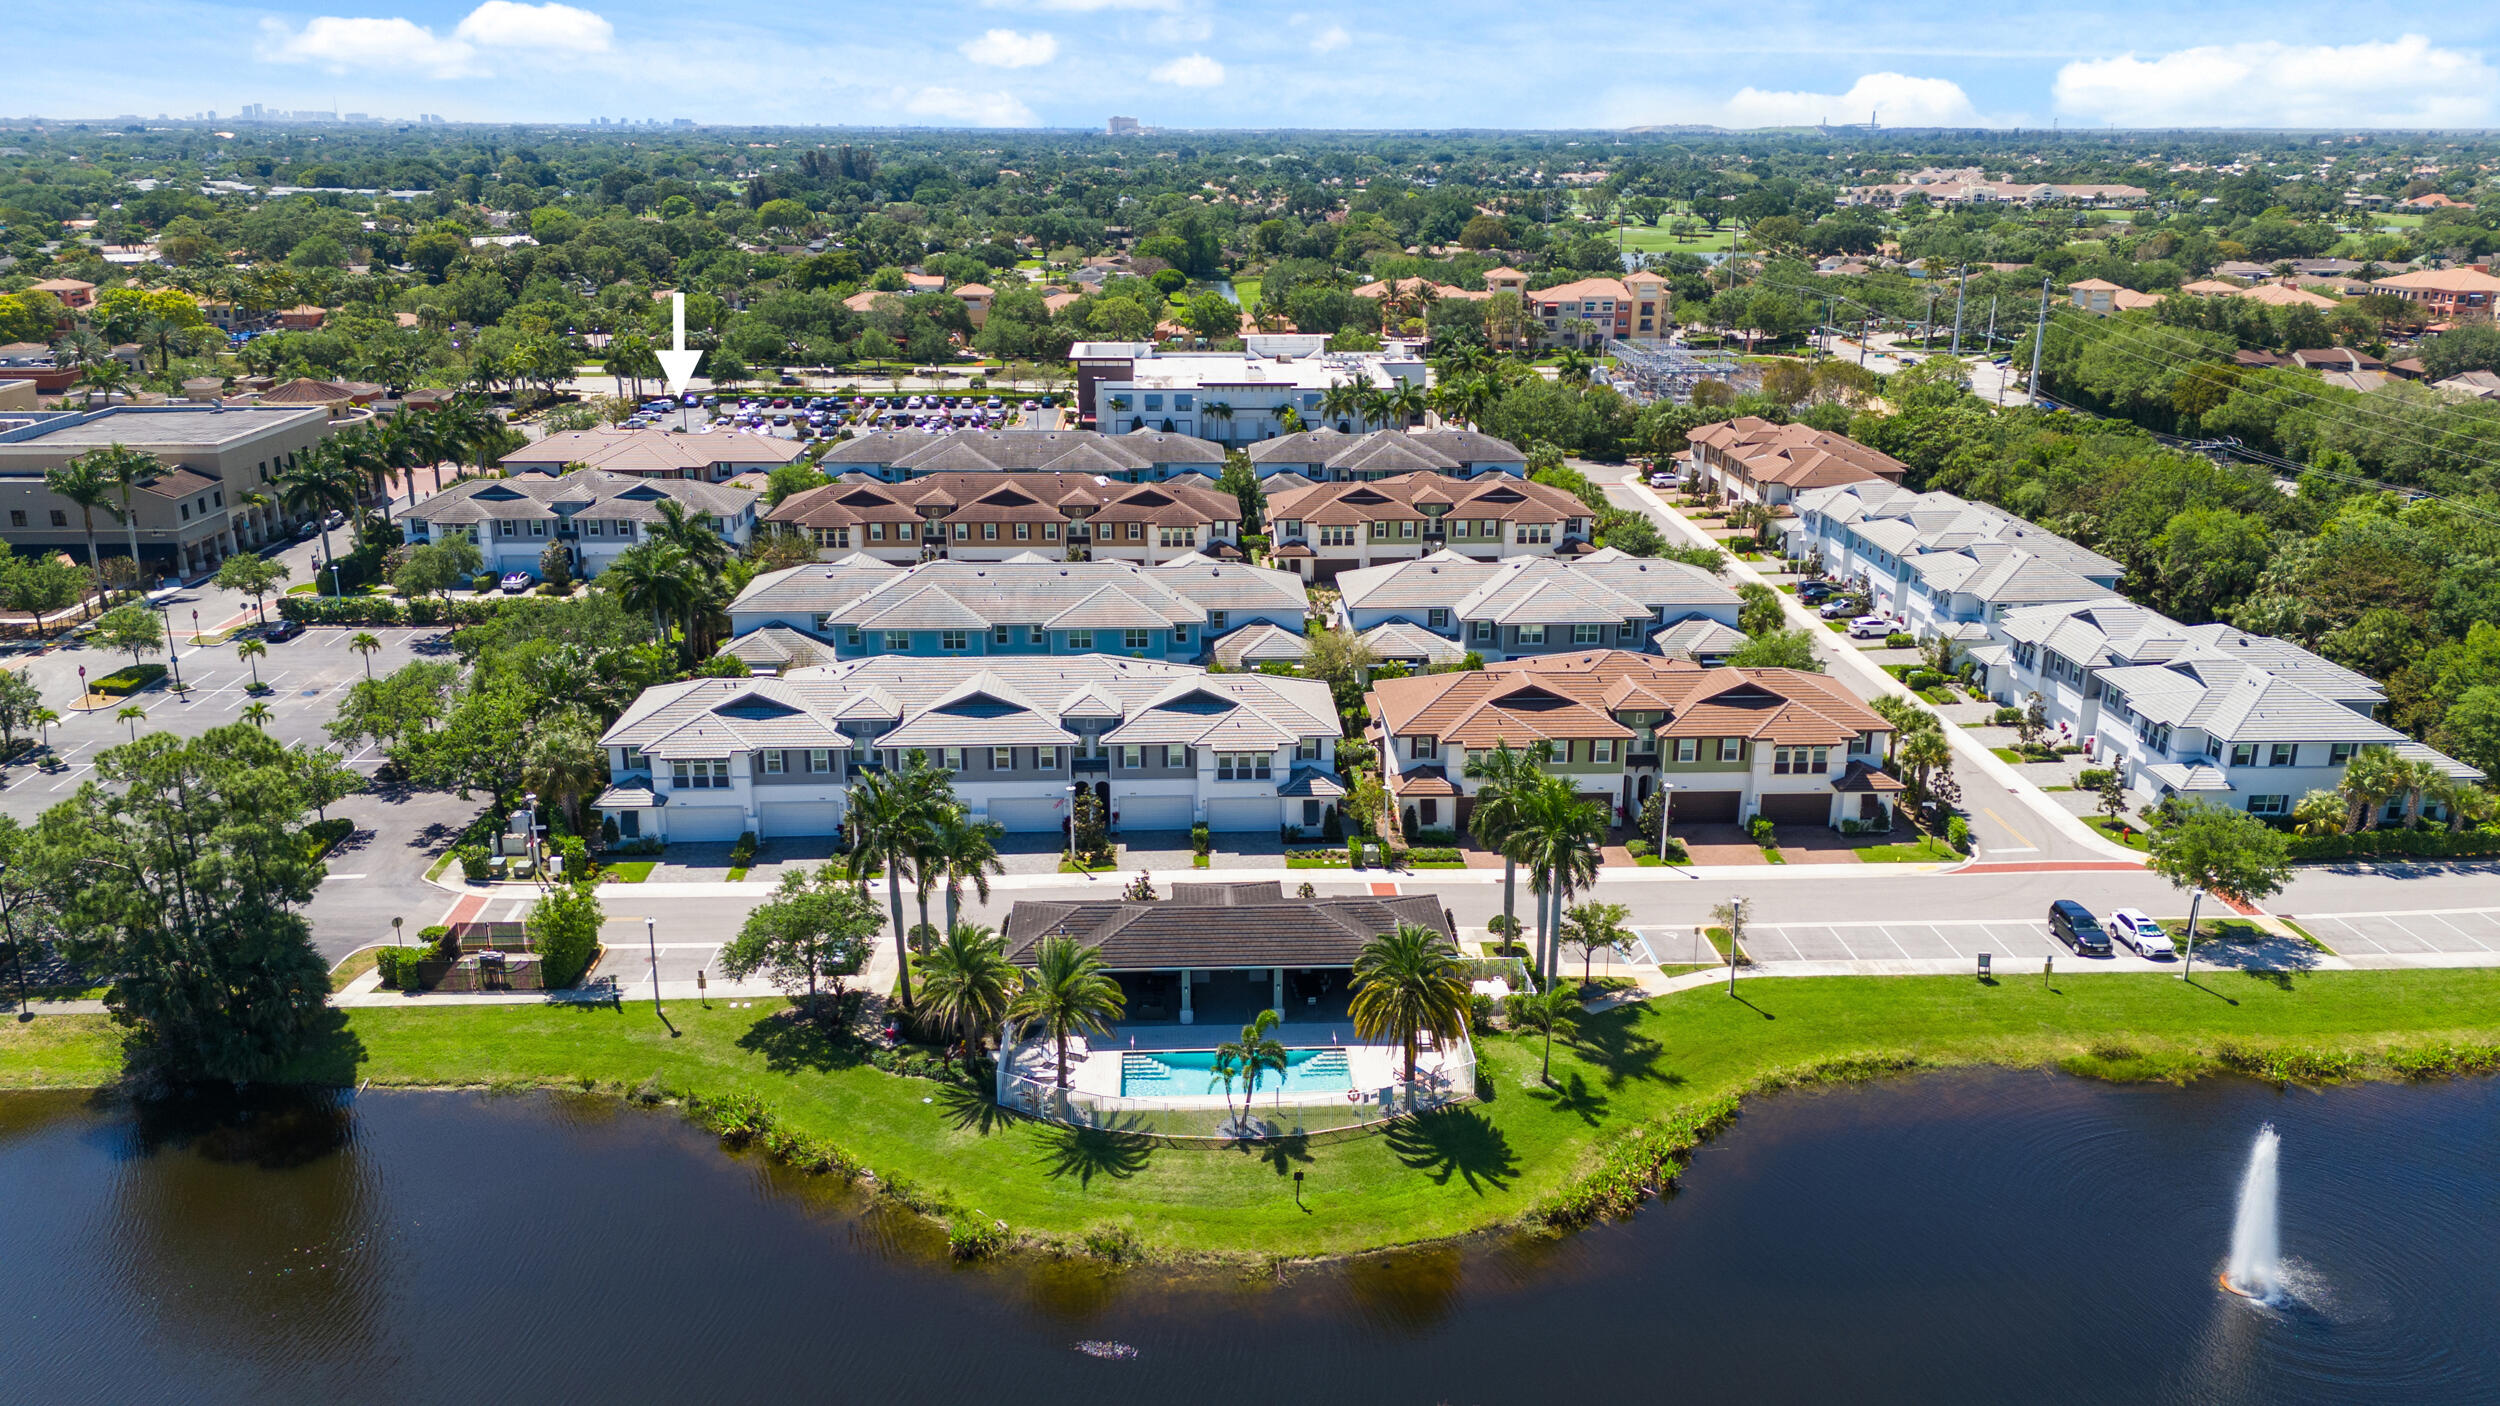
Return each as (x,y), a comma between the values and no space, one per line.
(1179,64)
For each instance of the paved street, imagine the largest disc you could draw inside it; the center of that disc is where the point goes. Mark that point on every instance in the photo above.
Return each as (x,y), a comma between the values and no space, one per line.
(2458,932)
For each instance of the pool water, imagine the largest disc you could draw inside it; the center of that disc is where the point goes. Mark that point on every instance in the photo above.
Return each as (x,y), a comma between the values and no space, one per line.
(1188,1073)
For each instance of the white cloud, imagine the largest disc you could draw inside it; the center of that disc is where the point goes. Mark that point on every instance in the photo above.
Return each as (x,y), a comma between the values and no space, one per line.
(1895,99)
(529,31)
(341,43)
(971,109)
(1330,40)
(502,24)
(2404,82)
(1195,71)
(1005,48)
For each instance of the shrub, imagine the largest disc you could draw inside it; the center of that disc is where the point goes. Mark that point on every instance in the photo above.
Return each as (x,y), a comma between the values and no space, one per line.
(2092,778)
(1957,834)
(473,863)
(1923,679)
(1900,640)
(1638,849)
(397,966)
(974,1239)
(1439,835)
(1480,1013)
(1201,840)
(1354,852)
(484,582)
(433,934)
(742,854)
(1331,826)
(2006,717)
(1761,829)
(129,679)
(564,928)
(1429,854)
(2425,843)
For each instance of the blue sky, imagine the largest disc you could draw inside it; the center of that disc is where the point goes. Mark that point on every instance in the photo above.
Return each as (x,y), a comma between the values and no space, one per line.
(1232,63)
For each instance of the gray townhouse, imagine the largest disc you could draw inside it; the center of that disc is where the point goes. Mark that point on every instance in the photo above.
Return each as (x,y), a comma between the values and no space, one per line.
(1529,606)
(594,514)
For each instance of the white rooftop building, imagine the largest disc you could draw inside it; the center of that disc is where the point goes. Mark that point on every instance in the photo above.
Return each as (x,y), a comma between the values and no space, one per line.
(1229,397)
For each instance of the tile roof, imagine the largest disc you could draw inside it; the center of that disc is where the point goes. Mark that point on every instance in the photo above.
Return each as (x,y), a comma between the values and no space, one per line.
(1575,695)
(1020,451)
(653,451)
(1394,451)
(1608,580)
(1027,591)
(1402,641)
(1305,932)
(1262,643)
(591,493)
(1499,497)
(1798,456)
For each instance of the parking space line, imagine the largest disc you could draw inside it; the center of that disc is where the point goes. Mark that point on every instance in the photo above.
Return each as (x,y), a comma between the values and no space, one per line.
(2459,929)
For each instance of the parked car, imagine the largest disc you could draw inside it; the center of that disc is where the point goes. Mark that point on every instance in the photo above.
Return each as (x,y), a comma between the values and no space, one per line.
(515,582)
(2073,924)
(1869,627)
(282,631)
(2130,926)
(1841,608)
(1815,592)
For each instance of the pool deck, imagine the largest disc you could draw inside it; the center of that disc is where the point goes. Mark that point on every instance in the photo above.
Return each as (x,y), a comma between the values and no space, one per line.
(1094,1066)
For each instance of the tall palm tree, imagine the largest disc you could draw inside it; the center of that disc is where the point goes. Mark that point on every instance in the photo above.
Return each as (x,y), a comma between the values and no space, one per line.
(1346,399)
(1502,776)
(1558,839)
(966,982)
(563,761)
(654,576)
(257,714)
(133,715)
(366,644)
(1408,984)
(125,470)
(82,482)
(965,851)
(1257,1050)
(1220,410)
(2374,776)
(108,377)
(690,534)
(1547,1010)
(2420,778)
(1066,993)
(251,652)
(890,812)
(1406,404)
(317,485)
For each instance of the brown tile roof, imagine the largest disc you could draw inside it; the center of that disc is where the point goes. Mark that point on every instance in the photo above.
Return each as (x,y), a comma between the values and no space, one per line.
(1799,456)
(1499,496)
(1576,695)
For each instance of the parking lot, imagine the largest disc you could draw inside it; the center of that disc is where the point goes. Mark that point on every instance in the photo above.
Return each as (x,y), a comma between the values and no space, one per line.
(2426,932)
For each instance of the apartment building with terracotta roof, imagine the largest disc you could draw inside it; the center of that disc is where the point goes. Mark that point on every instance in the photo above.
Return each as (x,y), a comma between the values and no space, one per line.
(1756,461)
(991,516)
(1731,743)
(2445,295)
(1331,527)
(1590,311)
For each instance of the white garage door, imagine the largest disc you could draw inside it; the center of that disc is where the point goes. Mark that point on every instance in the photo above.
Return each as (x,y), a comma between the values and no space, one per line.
(1026,815)
(705,824)
(789,818)
(1153,812)
(1238,815)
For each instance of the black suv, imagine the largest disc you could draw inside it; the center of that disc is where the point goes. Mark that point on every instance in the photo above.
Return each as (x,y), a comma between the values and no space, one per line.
(2073,924)
(282,631)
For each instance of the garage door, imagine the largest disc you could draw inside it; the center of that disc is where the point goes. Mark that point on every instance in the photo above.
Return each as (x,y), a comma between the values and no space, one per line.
(1239,815)
(1704,807)
(1152,812)
(705,824)
(789,818)
(1811,808)
(1026,815)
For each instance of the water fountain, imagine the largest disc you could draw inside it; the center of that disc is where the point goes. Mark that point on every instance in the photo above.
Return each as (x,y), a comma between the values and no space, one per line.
(2256,1266)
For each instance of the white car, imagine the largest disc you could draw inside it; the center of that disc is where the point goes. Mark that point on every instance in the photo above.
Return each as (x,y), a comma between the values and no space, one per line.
(2130,926)
(1869,627)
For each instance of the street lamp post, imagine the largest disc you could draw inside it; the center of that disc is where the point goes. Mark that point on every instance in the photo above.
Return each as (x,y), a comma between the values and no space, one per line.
(396,939)
(173,652)
(336,590)
(651,935)
(1666,811)
(8,929)
(2187,964)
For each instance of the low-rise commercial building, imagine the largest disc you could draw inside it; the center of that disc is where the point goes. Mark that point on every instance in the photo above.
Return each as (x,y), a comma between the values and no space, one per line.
(1231,397)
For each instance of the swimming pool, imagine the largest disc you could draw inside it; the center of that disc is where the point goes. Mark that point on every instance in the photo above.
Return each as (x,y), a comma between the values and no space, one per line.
(1190,1073)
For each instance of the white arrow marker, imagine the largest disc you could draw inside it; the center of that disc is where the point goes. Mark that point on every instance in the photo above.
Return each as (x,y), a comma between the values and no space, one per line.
(679,364)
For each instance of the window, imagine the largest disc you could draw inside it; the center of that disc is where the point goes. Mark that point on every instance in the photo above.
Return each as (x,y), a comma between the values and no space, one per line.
(1438,617)
(1134,639)
(1132,756)
(989,532)
(1215,620)
(963,532)
(1687,749)
(1046,758)
(2243,754)
(1024,532)
(951,758)
(1180,634)
(1532,634)
(2339,753)
(1290,528)
(902,532)
(2283,754)
(700,776)
(954,641)
(1002,759)
(1050,532)
(1731,749)
(635,760)
(1586,634)
(1423,748)
(1336,536)
(2269,805)
(772,763)
(1484,629)
(1536,533)
(1080,639)
(1602,750)
(60,518)
(1407,529)
(1137,532)
(17,516)
(1175,757)
(1243,766)
(819,760)
(1629,629)
(1306,750)
(850,635)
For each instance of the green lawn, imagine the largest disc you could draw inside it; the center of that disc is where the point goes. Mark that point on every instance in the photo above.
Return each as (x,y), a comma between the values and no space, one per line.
(2134,839)
(1481,1165)
(1246,291)
(1657,239)
(1927,850)
(630,871)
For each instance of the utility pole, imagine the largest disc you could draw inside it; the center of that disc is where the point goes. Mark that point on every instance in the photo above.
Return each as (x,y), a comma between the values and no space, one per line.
(1927,323)
(2039,335)
(1961,284)
(1992,348)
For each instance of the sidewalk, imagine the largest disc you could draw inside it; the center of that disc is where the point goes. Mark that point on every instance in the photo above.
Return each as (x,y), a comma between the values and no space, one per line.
(1967,748)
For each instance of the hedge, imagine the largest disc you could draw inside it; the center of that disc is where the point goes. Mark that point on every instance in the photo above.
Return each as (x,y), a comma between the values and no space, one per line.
(2429,844)
(387,610)
(128,680)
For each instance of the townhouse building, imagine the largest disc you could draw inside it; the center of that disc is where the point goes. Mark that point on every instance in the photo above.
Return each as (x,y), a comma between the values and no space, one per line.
(1985,560)
(1327,528)
(195,514)
(594,514)
(1752,460)
(1529,606)
(954,610)
(2205,712)
(712,457)
(1335,454)
(1730,744)
(1234,397)
(1162,746)
(1145,456)
(991,516)
(1589,312)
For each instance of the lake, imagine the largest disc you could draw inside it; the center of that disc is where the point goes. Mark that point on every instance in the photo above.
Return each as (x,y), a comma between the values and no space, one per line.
(1960,1238)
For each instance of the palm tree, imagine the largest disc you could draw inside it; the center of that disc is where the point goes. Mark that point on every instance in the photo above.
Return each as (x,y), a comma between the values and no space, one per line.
(365,644)
(317,485)
(82,482)
(2318,813)
(653,576)
(1924,755)
(965,851)
(966,982)
(1558,838)
(563,761)
(251,652)
(80,347)
(133,715)
(2420,778)
(692,535)
(1502,776)
(1345,399)
(2373,777)
(1220,410)
(1548,1010)
(1066,993)
(1408,984)
(1406,404)
(1257,1049)
(126,470)
(890,812)
(257,715)
(108,376)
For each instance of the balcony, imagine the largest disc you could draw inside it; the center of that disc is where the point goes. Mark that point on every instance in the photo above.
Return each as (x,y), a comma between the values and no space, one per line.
(1090,764)
(1638,758)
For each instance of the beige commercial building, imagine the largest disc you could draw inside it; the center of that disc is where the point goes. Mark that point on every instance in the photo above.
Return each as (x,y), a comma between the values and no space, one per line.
(190,518)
